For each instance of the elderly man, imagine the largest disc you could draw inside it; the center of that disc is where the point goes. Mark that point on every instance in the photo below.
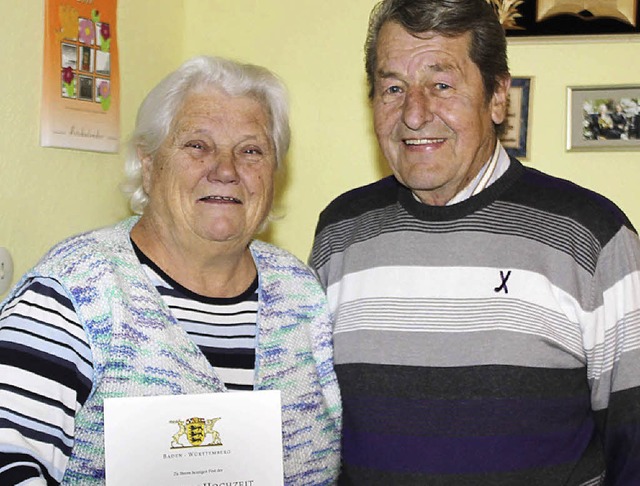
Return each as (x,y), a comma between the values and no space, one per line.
(487,315)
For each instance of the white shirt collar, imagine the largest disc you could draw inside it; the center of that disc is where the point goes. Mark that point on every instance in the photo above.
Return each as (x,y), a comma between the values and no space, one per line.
(488,174)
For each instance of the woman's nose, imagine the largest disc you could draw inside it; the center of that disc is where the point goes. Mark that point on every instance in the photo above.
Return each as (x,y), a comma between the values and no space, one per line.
(223,168)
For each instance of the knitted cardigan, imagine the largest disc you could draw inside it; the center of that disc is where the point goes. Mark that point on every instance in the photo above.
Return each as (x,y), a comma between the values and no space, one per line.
(139,349)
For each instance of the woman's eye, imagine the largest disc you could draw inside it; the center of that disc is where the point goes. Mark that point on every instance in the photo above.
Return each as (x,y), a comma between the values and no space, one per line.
(253,151)
(442,86)
(195,144)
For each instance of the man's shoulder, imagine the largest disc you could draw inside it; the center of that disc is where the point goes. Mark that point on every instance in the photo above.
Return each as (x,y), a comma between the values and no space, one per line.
(360,200)
(555,195)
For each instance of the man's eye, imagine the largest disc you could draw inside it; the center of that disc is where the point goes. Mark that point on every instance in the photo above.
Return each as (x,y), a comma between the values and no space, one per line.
(393,90)
(442,86)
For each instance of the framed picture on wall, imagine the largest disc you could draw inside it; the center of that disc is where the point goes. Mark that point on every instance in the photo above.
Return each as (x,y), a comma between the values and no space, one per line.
(603,118)
(515,138)
(527,18)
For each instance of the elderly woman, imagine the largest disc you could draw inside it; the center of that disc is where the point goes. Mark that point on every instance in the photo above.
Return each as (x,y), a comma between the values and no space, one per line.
(180,300)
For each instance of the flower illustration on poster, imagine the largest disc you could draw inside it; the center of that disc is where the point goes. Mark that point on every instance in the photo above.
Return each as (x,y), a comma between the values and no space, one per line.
(104,94)
(68,82)
(104,31)
(86,32)
(105,37)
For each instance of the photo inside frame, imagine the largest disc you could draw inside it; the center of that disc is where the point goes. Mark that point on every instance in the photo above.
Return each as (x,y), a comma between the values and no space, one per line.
(604,118)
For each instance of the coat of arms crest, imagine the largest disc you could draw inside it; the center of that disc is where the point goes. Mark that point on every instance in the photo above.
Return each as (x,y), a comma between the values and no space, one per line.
(195,430)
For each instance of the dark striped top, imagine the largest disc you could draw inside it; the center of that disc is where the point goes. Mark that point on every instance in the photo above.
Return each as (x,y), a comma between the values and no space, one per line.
(46,368)
(491,342)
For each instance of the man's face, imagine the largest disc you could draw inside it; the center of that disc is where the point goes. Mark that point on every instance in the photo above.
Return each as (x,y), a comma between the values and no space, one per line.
(431,116)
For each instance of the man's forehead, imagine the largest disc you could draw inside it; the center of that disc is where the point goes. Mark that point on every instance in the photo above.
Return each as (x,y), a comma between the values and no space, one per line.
(428,50)
(395,33)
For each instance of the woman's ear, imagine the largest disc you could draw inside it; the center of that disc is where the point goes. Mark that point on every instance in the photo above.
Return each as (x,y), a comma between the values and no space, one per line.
(147,167)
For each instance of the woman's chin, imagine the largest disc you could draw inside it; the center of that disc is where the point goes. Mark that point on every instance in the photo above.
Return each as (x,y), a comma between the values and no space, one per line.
(223,235)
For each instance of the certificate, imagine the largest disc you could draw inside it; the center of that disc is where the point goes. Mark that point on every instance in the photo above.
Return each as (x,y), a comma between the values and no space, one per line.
(213,439)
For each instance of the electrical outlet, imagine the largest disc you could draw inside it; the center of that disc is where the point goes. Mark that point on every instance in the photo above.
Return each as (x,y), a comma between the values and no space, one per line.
(6,270)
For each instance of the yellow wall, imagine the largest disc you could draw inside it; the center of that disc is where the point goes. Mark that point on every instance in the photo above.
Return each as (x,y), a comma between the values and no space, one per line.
(47,194)
(557,65)
(316,47)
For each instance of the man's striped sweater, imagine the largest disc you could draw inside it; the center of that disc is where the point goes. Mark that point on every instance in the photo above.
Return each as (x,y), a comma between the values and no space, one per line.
(492,342)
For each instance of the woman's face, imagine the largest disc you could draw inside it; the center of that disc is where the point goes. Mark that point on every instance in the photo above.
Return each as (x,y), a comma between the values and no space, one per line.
(213,176)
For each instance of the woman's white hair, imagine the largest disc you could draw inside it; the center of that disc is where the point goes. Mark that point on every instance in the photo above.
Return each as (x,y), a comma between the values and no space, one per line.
(158,110)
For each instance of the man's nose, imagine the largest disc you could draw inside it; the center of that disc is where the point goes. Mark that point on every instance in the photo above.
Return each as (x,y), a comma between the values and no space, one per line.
(417,109)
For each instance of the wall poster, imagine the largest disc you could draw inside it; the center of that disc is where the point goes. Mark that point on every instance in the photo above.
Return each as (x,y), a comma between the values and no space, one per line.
(80,85)
(531,18)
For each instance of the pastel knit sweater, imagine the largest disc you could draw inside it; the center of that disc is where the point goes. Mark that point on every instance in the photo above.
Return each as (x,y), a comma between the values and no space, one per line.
(139,349)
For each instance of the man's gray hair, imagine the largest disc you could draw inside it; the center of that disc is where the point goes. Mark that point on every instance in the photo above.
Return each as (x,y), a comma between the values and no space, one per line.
(488,46)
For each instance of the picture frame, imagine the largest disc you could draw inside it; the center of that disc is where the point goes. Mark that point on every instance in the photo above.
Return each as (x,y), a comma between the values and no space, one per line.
(603,117)
(85,88)
(86,59)
(533,18)
(515,138)
(69,55)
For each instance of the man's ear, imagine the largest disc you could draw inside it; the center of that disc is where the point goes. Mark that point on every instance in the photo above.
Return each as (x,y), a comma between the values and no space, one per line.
(499,100)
